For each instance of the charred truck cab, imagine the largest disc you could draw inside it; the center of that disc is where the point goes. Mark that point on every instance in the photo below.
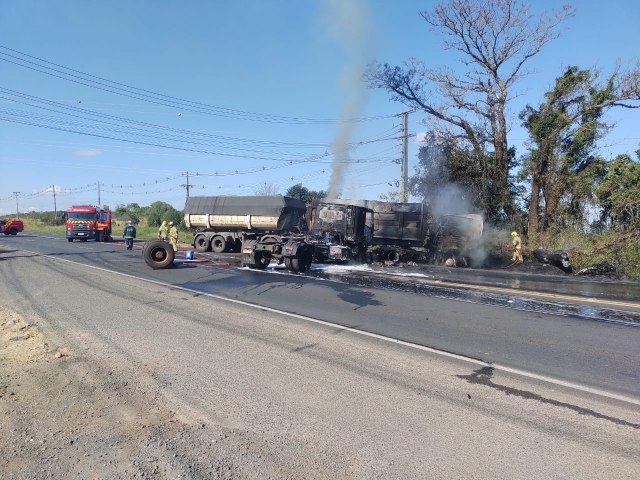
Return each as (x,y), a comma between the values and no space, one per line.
(340,232)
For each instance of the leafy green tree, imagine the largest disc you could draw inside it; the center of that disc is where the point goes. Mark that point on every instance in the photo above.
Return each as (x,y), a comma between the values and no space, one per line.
(619,193)
(159,211)
(448,168)
(564,131)
(303,193)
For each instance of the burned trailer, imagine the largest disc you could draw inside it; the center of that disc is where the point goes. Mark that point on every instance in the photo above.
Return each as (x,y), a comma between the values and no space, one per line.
(399,231)
(222,223)
(340,232)
(456,239)
(410,232)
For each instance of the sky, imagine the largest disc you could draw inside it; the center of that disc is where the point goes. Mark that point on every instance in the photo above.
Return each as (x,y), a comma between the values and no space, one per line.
(116,102)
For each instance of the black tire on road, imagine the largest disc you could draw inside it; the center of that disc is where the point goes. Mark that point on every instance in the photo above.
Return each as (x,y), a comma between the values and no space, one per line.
(13,231)
(201,244)
(218,244)
(158,254)
(69,239)
(287,263)
(100,236)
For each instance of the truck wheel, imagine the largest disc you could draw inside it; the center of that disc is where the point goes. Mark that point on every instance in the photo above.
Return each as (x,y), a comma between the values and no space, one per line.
(218,244)
(158,254)
(100,236)
(69,239)
(201,243)
(13,231)
(262,260)
(287,263)
(302,261)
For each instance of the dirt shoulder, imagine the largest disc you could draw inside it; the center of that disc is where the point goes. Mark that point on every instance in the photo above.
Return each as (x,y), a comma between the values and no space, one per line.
(63,416)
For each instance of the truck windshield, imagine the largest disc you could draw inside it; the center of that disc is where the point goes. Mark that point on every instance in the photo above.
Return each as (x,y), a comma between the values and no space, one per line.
(104,217)
(80,216)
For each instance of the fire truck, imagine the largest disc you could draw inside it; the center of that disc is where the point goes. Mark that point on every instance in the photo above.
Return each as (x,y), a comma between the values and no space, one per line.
(84,222)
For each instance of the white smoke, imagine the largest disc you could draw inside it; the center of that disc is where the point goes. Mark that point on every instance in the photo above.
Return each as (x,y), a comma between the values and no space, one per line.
(349,24)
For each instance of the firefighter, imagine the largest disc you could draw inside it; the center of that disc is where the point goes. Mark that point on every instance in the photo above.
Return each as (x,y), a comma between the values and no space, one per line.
(163,231)
(173,236)
(517,245)
(129,234)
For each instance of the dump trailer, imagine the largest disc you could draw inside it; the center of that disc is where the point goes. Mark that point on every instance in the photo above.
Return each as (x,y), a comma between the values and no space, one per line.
(456,239)
(223,222)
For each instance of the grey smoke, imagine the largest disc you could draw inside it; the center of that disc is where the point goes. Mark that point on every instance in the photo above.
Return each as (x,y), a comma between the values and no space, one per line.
(349,25)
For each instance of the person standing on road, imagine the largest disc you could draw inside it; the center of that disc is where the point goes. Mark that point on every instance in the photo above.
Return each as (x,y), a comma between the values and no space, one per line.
(163,231)
(129,234)
(517,245)
(173,236)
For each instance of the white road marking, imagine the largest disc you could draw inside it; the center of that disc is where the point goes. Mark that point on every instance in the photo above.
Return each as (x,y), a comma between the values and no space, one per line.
(495,366)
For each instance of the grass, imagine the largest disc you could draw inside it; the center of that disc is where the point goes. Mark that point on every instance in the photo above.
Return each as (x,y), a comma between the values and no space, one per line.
(143,231)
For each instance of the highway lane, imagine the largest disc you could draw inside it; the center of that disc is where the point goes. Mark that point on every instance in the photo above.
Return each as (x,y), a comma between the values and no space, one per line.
(569,348)
(274,396)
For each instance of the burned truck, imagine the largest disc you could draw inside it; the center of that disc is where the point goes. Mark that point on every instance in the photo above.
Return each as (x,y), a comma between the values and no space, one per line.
(275,228)
(411,232)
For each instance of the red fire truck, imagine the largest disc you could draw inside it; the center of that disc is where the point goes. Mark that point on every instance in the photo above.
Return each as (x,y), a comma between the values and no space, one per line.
(84,222)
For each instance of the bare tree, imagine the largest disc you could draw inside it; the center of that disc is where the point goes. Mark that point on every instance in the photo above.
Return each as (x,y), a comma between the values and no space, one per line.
(494,39)
(267,190)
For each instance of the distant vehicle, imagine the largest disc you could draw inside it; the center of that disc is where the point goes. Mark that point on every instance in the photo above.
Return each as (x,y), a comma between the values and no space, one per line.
(85,222)
(11,227)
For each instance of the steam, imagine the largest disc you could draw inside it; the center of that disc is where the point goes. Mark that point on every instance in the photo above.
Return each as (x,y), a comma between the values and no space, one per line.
(349,25)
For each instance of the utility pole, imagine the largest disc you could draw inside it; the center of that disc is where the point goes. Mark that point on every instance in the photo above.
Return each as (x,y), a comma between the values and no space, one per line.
(55,208)
(98,193)
(187,185)
(17,209)
(404,177)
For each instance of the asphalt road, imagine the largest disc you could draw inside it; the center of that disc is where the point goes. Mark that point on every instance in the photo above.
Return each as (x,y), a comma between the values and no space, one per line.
(570,347)
(302,399)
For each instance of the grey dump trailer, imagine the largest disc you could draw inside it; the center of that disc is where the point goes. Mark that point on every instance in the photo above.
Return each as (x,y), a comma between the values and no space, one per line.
(223,222)
(261,228)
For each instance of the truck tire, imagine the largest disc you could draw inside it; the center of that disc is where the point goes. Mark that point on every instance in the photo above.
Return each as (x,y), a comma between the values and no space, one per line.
(13,231)
(69,239)
(218,244)
(158,254)
(201,244)
(100,236)
(262,261)
(302,261)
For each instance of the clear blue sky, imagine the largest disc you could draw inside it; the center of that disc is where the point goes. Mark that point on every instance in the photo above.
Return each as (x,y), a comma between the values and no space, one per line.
(270,75)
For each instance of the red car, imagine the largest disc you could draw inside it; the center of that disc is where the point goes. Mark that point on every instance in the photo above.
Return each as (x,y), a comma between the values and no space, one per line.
(11,227)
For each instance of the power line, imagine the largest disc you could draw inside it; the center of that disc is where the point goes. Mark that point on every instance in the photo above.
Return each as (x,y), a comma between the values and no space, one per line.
(76,76)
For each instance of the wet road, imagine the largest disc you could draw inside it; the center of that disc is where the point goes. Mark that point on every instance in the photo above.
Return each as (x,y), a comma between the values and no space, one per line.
(561,337)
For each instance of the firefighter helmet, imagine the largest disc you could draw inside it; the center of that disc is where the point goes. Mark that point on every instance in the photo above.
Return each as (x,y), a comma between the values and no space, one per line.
(513,234)
(170,223)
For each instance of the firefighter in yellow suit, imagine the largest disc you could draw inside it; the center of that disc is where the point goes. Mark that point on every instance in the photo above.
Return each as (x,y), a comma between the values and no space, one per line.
(163,231)
(173,236)
(517,245)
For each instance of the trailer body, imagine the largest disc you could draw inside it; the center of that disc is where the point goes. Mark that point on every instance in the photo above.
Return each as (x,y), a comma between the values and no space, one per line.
(223,222)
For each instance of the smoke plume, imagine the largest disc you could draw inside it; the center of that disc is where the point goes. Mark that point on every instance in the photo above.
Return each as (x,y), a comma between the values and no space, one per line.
(349,25)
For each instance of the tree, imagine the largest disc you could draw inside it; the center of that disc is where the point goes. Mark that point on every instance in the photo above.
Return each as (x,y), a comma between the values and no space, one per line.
(564,131)
(160,211)
(303,193)
(494,38)
(267,190)
(619,193)
(447,169)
